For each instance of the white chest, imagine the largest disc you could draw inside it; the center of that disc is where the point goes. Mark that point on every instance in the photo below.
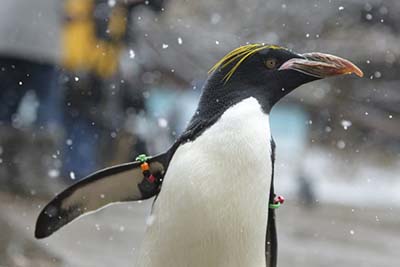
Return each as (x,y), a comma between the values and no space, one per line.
(213,207)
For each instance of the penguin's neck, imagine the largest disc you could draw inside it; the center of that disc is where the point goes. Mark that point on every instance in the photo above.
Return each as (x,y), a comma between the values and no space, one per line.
(213,207)
(216,100)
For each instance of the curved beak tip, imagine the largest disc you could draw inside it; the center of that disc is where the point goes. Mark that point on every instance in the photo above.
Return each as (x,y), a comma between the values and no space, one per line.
(344,66)
(322,65)
(357,71)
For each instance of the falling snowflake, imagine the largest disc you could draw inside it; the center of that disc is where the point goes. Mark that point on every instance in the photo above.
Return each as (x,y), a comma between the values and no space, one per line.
(131,54)
(346,124)
(162,122)
(111,3)
(215,18)
(150,220)
(341,144)
(53,173)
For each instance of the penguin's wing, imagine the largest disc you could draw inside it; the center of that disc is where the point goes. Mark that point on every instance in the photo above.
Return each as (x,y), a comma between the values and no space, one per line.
(119,183)
(271,246)
(271,240)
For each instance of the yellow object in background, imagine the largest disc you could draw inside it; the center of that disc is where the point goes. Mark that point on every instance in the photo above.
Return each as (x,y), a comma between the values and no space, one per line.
(82,49)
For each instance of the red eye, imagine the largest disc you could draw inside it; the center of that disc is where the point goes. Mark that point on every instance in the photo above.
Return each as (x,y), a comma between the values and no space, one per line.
(271,63)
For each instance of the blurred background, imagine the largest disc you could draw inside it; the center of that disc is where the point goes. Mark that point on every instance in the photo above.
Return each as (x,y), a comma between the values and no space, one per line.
(85,84)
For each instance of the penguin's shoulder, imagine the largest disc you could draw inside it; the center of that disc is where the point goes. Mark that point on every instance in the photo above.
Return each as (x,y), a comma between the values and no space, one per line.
(244,110)
(240,132)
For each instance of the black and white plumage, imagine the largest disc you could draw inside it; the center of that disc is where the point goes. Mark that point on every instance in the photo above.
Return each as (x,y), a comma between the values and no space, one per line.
(212,208)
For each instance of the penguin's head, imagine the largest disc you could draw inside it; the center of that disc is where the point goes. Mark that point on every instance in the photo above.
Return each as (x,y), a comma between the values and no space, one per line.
(270,72)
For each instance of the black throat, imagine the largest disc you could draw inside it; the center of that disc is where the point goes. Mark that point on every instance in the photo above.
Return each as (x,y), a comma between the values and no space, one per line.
(216,98)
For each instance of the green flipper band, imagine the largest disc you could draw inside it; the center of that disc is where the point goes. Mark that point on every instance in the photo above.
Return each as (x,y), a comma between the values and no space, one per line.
(142,158)
(275,205)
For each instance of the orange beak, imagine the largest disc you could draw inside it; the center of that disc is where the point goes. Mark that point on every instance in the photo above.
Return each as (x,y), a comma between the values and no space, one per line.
(321,65)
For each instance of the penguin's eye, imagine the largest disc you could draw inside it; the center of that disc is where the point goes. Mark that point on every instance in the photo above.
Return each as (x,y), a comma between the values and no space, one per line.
(271,63)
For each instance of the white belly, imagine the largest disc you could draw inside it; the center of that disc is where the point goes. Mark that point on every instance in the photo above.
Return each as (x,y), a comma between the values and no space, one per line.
(213,207)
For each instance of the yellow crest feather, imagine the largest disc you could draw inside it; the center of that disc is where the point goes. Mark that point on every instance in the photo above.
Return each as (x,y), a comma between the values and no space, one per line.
(241,54)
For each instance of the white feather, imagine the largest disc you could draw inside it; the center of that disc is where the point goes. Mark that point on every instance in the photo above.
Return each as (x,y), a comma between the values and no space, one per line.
(213,208)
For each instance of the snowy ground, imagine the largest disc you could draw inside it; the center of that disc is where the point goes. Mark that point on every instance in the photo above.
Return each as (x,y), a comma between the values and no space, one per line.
(337,178)
(327,235)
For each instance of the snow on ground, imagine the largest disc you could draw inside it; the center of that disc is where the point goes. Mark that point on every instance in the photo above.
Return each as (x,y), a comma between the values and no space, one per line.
(324,236)
(361,181)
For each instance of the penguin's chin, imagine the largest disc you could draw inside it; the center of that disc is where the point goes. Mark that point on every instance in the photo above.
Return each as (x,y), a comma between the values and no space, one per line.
(321,65)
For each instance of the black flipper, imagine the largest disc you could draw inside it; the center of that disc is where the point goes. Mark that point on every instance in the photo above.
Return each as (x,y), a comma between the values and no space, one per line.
(271,240)
(271,246)
(119,183)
